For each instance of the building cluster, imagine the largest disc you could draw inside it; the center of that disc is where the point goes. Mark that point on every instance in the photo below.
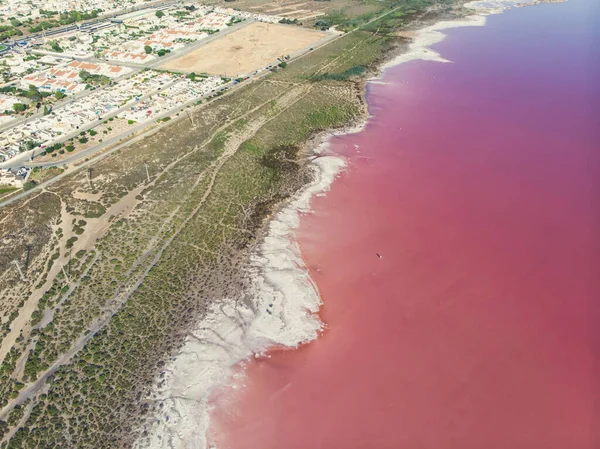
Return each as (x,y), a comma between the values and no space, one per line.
(128,38)
(179,93)
(138,98)
(247,15)
(57,85)
(140,37)
(62,75)
(67,78)
(31,9)
(7,103)
(14,66)
(14,177)
(18,63)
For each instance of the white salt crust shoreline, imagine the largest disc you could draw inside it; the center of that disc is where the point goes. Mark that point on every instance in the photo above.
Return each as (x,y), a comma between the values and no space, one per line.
(279,312)
(283,302)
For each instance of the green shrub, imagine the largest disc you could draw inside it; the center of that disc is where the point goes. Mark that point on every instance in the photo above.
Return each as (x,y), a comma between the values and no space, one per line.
(71,242)
(29,185)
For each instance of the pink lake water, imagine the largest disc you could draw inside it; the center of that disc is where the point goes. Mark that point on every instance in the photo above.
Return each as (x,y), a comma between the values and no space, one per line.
(479,184)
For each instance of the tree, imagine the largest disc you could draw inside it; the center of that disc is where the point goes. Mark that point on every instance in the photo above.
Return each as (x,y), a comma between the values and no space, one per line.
(28,186)
(45,110)
(160,14)
(55,47)
(322,24)
(33,93)
(84,75)
(283,64)
(59,95)
(19,107)
(147,49)
(191,76)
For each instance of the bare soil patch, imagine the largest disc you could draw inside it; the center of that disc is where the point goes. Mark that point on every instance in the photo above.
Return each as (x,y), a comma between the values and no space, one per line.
(248,49)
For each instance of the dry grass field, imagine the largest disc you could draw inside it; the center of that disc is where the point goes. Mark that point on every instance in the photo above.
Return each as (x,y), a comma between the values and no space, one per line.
(248,49)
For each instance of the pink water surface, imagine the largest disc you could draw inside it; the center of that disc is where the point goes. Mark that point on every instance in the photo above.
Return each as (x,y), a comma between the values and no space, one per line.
(479,184)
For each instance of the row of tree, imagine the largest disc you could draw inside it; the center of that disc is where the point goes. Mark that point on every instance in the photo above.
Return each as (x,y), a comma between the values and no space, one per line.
(17,26)
(66,18)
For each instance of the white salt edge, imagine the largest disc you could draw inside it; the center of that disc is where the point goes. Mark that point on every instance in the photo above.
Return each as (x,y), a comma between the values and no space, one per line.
(234,331)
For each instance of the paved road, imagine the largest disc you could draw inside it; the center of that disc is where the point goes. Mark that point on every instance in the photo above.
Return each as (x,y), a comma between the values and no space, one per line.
(23,159)
(100,19)
(120,137)
(20,159)
(89,152)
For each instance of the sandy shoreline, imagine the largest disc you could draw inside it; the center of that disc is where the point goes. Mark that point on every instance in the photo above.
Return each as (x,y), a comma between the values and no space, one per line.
(280,307)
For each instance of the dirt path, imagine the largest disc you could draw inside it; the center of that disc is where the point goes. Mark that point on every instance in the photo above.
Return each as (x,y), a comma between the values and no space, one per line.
(48,314)
(94,230)
(21,321)
(124,292)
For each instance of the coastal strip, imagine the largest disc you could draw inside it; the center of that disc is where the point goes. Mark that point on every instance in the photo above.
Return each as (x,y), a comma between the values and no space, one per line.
(280,309)
(187,212)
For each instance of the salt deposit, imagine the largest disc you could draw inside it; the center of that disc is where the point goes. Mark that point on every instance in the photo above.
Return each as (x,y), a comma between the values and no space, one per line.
(419,48)
(280,311)
(498,6)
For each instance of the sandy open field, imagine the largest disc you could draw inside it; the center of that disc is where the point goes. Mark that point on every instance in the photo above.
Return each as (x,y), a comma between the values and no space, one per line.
(248,49)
